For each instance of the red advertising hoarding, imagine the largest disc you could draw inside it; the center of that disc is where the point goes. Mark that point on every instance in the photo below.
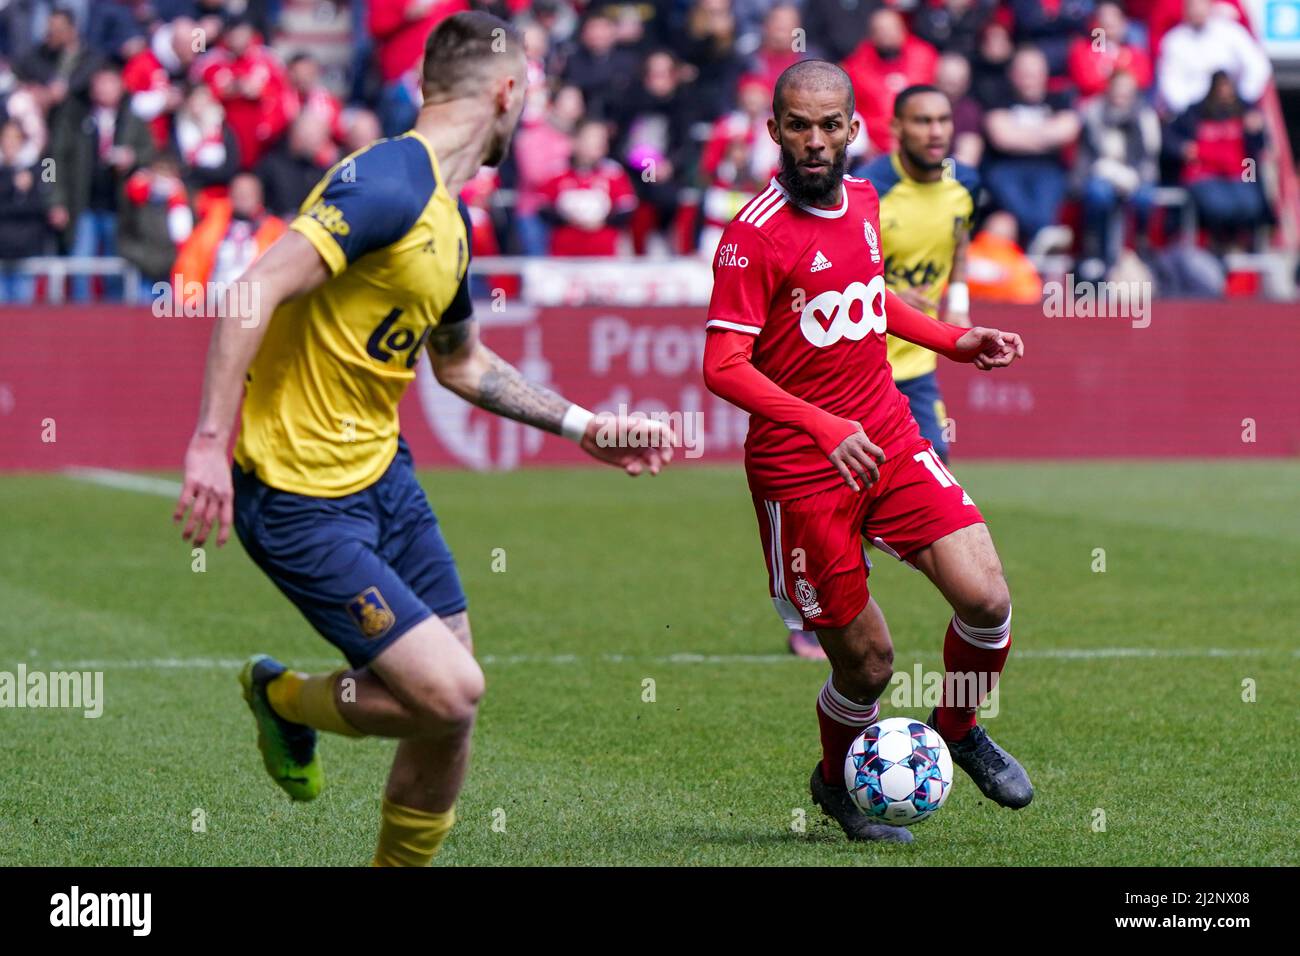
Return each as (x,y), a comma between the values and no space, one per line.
(116,387)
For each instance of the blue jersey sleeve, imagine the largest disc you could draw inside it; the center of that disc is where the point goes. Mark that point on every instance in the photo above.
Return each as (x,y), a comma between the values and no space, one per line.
(368,201)
(461,307)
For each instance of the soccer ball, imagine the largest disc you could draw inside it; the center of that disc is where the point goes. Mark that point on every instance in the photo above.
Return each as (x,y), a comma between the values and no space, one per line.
(898,771)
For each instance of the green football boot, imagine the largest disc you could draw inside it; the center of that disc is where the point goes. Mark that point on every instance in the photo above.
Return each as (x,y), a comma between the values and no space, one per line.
(288,749)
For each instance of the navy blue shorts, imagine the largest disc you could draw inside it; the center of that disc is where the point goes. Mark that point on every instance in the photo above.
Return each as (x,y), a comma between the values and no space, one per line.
(927,408)
(363,569)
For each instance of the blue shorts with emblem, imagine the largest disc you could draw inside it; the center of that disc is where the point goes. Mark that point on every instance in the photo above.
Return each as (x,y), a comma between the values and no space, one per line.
(363,569)
(927,408)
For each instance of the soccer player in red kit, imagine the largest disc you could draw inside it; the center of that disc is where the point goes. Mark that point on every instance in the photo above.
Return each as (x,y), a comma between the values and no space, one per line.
(796,337)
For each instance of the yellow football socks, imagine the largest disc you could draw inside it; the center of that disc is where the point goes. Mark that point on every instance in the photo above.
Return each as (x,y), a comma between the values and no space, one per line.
(309,699)
(410,837)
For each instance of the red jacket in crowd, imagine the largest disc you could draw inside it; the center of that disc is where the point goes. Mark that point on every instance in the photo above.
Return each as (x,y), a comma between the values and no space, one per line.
(255,91)
(400,28)
(876,81)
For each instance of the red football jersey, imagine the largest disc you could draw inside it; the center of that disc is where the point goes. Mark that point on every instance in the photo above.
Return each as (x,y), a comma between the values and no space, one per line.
(809,284)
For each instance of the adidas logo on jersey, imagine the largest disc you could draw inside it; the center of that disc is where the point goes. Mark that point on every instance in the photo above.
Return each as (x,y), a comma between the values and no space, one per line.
(819,262)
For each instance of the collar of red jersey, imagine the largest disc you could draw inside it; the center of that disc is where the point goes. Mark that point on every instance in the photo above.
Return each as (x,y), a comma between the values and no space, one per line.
(823,213)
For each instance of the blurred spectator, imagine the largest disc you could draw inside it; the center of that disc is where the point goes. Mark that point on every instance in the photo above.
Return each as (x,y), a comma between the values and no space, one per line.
(154,220)
(1095,58)
(360,128)
(1050,26)
(60,68)
(542,152)
(952,78)
(234,232)
(400,28)
(1024,167)
(251,85)
(312,95)
(477,195)
(537,46)
(153,75)
(780,48)
(989,83)
(23,207)
(206,145)
(733,180)
(889,61)
(708,43)
(95,148)
(838,27)
(1205,44)
(291,170)
(746,124)
(20,104)
(592,201)
(953,26)
(1117,164)
(600,69)
(115,29)
(655,141)
(997,269)
(1220,141)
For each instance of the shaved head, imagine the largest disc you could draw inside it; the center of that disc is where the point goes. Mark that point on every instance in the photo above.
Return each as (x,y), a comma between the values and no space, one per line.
(812,76)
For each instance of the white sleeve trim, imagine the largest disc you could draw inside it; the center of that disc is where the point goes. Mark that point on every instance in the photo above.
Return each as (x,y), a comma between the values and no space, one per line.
(733,326)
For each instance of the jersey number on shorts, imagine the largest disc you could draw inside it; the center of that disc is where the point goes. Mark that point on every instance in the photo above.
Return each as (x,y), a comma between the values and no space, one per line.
(936,468)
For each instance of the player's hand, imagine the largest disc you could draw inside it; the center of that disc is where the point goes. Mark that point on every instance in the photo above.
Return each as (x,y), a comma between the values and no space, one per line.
(207,493)
(632,442)
(856,457)
(996,349)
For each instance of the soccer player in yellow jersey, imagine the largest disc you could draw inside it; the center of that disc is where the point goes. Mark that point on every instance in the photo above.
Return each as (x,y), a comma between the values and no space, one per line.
(927,201)
(322,492)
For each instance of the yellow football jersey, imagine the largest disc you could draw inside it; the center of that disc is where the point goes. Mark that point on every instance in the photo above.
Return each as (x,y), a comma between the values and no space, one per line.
(919,227)
(320,401)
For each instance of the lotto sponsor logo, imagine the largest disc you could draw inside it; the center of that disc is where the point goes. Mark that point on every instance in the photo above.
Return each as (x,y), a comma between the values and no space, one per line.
(837,309)
(331,217)
(729,255)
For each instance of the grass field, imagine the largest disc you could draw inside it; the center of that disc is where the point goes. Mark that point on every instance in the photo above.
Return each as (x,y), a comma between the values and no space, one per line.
(1124,692)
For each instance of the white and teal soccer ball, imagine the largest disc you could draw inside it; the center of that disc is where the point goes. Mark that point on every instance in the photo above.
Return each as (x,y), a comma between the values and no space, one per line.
(898,771)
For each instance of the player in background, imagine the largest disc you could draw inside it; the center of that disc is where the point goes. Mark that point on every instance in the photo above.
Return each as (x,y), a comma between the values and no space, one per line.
(322,493)
(927,202)
(796,337)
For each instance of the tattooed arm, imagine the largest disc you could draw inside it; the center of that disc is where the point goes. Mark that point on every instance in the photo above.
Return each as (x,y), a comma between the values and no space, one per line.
(464,365)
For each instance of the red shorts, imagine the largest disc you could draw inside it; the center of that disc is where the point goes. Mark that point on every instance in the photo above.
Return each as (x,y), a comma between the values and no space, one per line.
(816,559)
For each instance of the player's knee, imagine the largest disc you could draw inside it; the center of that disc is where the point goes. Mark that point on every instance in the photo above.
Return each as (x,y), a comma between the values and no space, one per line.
(450,702)
(868,676)
(990,607)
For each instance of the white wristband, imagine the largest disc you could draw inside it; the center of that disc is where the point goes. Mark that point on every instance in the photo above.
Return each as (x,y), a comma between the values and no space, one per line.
(959,298)
(574,424)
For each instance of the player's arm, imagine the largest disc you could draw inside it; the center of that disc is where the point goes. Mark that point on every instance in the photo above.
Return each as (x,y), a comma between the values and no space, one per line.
(958,311)
(984,348)
(291,266)
(729,373)
(464,365)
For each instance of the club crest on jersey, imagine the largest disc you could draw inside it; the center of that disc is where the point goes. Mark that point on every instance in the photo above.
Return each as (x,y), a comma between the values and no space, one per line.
(819,262)
(873,240)
(728,255)
(371,613)
(806,595)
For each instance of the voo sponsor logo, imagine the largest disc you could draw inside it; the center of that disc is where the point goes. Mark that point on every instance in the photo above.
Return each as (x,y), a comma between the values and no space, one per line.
(838,308)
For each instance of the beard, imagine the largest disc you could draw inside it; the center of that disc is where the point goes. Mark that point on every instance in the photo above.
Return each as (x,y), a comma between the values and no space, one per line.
(817,189)
(920,162)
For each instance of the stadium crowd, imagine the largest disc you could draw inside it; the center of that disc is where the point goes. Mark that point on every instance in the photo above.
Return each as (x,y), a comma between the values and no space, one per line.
(182,134)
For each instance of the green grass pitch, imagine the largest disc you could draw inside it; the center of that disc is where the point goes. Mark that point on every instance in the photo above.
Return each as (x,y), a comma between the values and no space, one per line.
(1123,695)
